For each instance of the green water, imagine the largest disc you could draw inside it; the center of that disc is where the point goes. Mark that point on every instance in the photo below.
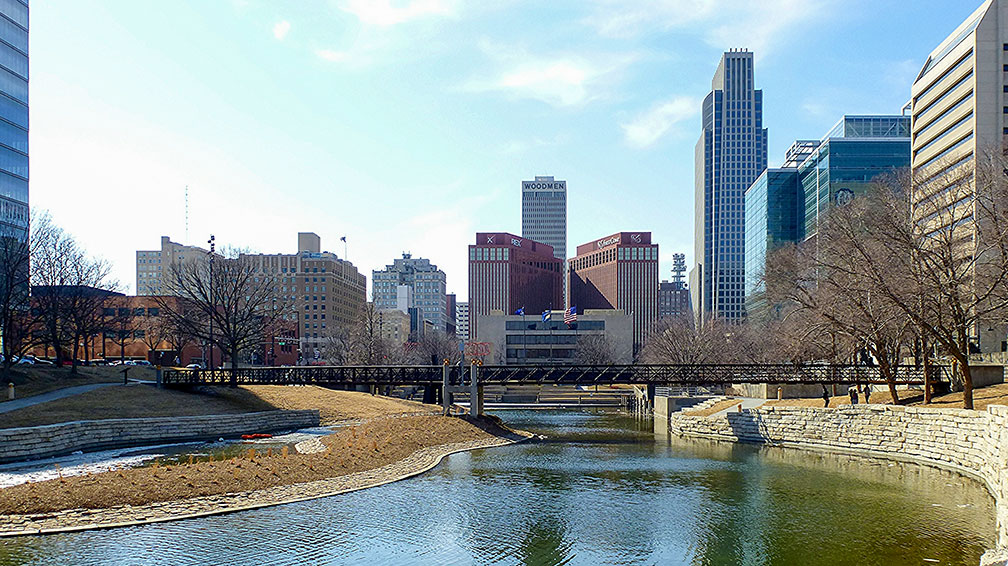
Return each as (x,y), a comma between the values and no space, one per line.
(602,489)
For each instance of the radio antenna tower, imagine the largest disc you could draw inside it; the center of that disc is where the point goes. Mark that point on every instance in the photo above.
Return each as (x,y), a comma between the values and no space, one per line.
(187,214)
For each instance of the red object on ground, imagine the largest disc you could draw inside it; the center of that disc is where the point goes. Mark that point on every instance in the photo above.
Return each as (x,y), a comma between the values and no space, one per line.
(255,436)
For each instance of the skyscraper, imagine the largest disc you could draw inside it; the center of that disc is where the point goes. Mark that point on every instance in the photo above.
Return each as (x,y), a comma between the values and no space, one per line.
(730,154)
(544,216)
(14,118)
(959,112)
(618,272)
(544,213)
(507,273)
(412,283)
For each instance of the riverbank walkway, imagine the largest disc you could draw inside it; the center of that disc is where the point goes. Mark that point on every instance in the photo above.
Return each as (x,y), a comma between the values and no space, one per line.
(7,406)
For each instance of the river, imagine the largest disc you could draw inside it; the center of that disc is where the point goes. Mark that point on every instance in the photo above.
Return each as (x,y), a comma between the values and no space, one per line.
(601,489)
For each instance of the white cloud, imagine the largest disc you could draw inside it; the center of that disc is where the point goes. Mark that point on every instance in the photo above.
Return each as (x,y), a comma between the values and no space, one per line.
(721,23)
(652,125)
(333,55)
(560,80)
(382,13)
(281,29)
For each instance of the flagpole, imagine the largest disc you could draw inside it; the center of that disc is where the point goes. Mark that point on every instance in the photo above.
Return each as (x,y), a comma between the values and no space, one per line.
(524,351)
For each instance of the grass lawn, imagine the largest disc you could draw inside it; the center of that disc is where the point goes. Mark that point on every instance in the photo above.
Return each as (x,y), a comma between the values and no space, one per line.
(36,379)
(135,401)
(982,397)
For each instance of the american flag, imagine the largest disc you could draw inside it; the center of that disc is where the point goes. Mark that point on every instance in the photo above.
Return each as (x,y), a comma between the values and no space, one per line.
(570,315)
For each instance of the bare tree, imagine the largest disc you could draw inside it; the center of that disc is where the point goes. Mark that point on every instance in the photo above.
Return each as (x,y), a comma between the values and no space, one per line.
(594,349)
(436,347)
(18,322)
(228,293)
(678,341)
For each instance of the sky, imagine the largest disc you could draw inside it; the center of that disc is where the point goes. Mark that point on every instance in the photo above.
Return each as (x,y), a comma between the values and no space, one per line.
(408,125)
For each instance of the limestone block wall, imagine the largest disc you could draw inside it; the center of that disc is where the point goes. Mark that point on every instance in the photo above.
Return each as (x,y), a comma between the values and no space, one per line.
(28,443)
(972,442)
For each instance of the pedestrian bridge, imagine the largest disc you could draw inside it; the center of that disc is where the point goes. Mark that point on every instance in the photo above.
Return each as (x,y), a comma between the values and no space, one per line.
(441,381)
(640,374)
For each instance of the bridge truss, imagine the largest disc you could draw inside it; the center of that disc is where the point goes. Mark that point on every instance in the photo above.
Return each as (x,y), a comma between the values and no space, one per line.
(682,374)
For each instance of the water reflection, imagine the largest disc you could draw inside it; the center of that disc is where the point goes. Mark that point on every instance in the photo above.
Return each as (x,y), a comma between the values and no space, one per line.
(600,489)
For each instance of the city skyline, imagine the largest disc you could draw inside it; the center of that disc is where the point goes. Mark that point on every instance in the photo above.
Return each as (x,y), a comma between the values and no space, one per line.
(508,110)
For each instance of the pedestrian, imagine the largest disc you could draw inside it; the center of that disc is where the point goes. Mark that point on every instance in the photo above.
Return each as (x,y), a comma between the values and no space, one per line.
(867,393)
(825,397)
(852,391)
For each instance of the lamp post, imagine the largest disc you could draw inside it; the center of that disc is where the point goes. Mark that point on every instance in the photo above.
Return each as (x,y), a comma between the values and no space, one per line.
(213,307)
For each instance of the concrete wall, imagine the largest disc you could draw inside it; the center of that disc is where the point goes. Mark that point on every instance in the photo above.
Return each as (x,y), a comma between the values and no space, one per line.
(972,442)
(29,443)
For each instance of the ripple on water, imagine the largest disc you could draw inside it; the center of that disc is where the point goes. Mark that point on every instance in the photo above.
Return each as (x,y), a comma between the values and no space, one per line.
(578,499)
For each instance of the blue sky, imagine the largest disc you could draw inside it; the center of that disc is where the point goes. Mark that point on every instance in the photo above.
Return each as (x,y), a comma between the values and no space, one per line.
(409,125)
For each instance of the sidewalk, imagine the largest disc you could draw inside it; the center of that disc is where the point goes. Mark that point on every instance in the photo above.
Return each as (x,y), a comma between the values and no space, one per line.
(747,403)
(7,406)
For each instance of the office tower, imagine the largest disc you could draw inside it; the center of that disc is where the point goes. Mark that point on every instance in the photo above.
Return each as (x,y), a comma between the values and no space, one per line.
(462,321)
(959,109)
(153,266)
(730,154)
(507,273)
(411,282)
(14,119)
(544,216)
(328,293)
(673,296)
(544,213)
(786,204)
(856,151)
(618,272)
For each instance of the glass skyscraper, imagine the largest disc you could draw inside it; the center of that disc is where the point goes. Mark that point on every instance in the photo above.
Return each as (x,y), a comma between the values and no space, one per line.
(730,154)
(854,152)
(785,205)
(14,118)
(544,216)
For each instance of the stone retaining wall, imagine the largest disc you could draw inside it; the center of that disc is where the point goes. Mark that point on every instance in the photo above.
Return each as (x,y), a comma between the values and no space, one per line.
(28,443)
(972,442)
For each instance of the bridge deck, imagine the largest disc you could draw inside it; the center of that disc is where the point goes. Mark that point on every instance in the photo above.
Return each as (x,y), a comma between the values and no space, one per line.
(686,374)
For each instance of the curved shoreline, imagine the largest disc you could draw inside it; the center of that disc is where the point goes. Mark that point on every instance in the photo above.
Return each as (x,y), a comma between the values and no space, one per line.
(971,443)
(73,520)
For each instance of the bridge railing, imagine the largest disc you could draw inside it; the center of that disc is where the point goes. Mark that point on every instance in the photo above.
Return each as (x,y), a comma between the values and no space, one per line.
(683,374)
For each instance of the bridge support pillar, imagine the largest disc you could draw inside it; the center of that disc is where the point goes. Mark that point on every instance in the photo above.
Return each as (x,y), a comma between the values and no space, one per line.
(445,391)
(475,392)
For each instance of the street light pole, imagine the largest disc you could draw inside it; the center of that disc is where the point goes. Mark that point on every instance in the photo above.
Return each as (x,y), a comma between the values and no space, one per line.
(213,307)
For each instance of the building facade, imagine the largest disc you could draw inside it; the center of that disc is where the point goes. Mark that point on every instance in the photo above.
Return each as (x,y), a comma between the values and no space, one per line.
(544,215)
(462,321)
(786,204)
(413,283)
(674,296)
(618,272)
(959,109)
(857,150)
(598,336)
(507,273)
(14,119)
(730,154)
(153,267)
(323,292)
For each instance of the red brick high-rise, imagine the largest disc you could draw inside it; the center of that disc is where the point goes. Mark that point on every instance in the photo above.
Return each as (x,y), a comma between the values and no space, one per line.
(508,272)
(618,272)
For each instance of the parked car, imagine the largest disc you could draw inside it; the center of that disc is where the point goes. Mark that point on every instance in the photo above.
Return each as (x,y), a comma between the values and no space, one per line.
(195,365)
(25,361)
(141,363)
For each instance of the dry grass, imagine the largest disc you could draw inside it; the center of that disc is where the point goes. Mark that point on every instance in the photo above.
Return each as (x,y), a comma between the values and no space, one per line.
(134,401)
(334,405)
(37,379)
(990,395)
(715,408)
(365,447)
